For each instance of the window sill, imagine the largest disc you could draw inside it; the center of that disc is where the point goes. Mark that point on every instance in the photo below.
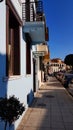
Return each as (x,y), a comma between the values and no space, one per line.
(28,75)
(11,78)
(5,79)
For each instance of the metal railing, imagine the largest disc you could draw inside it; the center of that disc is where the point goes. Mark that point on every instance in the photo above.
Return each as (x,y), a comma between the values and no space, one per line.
(32,11)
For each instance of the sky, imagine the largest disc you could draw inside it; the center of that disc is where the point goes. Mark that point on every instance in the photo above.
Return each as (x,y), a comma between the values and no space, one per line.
(59,19)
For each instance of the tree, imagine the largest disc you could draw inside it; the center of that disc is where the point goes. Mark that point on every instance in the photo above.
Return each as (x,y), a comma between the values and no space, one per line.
(69,60)
(10,110)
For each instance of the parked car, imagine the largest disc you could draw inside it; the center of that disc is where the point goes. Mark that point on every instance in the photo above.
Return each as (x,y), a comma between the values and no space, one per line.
(70,85)
(59,75)
(66,79)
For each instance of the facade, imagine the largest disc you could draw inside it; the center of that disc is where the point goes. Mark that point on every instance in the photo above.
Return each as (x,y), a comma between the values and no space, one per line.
(56,65)
(42,50)
(17,44)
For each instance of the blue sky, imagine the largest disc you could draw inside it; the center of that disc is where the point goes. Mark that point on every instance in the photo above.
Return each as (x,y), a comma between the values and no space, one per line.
(59,18)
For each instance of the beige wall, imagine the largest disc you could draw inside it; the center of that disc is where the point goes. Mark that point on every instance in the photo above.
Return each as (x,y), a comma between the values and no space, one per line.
(42,48)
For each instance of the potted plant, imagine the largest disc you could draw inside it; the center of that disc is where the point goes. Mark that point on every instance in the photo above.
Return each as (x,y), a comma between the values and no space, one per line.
(10,110)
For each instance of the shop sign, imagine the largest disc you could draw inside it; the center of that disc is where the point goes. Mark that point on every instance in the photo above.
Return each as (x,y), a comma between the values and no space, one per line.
(38,53)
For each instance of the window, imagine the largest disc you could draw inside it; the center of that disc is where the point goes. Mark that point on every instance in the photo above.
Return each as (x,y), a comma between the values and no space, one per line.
(12,43)
(28,53)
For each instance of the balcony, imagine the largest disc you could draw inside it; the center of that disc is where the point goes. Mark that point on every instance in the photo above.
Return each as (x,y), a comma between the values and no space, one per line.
(42,48)
(34,22)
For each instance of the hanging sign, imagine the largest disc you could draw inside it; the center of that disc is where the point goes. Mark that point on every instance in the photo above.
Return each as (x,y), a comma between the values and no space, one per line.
(38,53)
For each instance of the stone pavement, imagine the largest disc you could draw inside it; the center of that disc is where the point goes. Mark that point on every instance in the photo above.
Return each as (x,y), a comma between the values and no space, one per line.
(52,109)
(70,90)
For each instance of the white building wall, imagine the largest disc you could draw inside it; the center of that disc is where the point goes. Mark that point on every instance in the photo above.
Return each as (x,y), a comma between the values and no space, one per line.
(18,7)
(40,75)
(37,72)
(2,47)
(34,48)
(21,85)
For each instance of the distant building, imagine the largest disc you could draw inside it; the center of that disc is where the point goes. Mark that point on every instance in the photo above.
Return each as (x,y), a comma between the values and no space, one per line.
(56,65)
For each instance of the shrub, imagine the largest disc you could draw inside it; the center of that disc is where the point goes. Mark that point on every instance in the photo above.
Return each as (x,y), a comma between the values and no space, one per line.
(10,110)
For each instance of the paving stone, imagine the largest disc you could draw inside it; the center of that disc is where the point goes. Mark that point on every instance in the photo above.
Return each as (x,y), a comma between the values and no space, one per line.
(52,109)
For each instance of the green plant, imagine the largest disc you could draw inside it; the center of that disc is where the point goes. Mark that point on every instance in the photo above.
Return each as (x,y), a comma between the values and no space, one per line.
(10,110)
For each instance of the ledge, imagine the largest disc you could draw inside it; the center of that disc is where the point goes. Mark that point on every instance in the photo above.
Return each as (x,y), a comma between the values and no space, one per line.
(11,78)
(15,77)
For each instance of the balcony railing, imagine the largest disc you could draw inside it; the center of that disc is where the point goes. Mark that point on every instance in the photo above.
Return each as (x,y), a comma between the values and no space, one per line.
(34,22)
(32,11)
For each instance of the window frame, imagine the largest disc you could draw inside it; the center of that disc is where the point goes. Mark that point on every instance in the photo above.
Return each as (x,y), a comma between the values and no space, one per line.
(16,65)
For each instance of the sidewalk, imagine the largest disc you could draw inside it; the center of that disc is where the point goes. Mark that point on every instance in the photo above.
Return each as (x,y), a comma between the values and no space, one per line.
(52,109)
(70,90)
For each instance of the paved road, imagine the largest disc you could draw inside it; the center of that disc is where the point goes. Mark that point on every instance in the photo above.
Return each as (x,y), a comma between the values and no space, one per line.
(52,109)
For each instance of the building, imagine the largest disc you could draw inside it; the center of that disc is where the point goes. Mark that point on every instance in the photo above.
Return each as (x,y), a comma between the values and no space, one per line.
(20,23)
(42,50)
(56,65)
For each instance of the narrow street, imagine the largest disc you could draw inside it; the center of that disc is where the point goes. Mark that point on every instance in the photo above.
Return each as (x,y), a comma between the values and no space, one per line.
(52,109)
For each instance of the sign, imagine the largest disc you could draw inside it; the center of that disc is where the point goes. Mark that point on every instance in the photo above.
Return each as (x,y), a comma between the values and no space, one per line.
(38,53)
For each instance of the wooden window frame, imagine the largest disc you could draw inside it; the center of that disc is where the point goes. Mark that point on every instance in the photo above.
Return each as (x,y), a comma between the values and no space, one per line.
(15,65)
(10,5)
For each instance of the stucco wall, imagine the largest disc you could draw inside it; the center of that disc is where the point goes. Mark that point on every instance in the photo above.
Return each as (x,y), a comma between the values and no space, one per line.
(21,85)
(18,7)
(2,47)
